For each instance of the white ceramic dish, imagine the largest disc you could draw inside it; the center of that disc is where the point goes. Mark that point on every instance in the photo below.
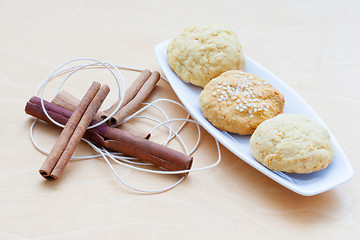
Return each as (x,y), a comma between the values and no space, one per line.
(338,172)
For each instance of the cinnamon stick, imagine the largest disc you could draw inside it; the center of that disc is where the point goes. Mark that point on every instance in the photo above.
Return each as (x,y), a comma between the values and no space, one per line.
(130,93)
(67,132)
(131,105)
(115,139)
(73,131)
(143,93)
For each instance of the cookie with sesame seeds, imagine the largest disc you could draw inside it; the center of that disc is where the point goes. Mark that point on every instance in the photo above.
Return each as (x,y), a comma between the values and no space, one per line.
(292,143)
(238,101)
(202,53)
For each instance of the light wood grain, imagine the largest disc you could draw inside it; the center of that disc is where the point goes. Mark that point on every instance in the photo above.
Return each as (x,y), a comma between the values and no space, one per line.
(311,45)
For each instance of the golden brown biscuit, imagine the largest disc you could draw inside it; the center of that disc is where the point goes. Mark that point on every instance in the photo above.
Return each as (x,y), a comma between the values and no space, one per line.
(202,53)
(238,101)
(292,143)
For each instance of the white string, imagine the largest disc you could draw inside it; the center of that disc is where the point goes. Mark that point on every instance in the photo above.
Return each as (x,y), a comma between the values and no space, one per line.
(120,158)
(121,89)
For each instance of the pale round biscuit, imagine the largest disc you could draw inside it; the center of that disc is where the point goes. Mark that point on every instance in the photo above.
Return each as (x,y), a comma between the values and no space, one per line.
(292,143)
(238,102)
(202,53)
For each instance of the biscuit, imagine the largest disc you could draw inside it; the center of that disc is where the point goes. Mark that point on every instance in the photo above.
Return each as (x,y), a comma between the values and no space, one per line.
(202,53)
(292,143)
(238,102)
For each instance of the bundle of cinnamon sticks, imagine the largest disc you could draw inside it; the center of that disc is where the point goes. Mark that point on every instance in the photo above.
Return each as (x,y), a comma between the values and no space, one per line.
(78,115)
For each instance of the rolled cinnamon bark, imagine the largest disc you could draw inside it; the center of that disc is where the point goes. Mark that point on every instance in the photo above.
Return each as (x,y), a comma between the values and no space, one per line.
(142,94)
(117,140)
(130,93)
(65,136)
(86,119)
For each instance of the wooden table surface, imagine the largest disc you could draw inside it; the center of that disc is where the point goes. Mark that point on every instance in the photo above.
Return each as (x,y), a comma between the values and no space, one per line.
(311,45)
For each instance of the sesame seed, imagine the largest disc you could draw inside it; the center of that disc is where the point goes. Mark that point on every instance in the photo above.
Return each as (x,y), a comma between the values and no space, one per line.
(237,107)
(251,116)
(241,109)
(214,93)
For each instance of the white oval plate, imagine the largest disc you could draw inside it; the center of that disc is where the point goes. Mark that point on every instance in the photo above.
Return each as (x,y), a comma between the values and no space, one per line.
(339,170)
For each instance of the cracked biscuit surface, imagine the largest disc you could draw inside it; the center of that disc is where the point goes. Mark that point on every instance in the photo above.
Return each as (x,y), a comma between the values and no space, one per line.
(238,102)
(292,143)
(202,53)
